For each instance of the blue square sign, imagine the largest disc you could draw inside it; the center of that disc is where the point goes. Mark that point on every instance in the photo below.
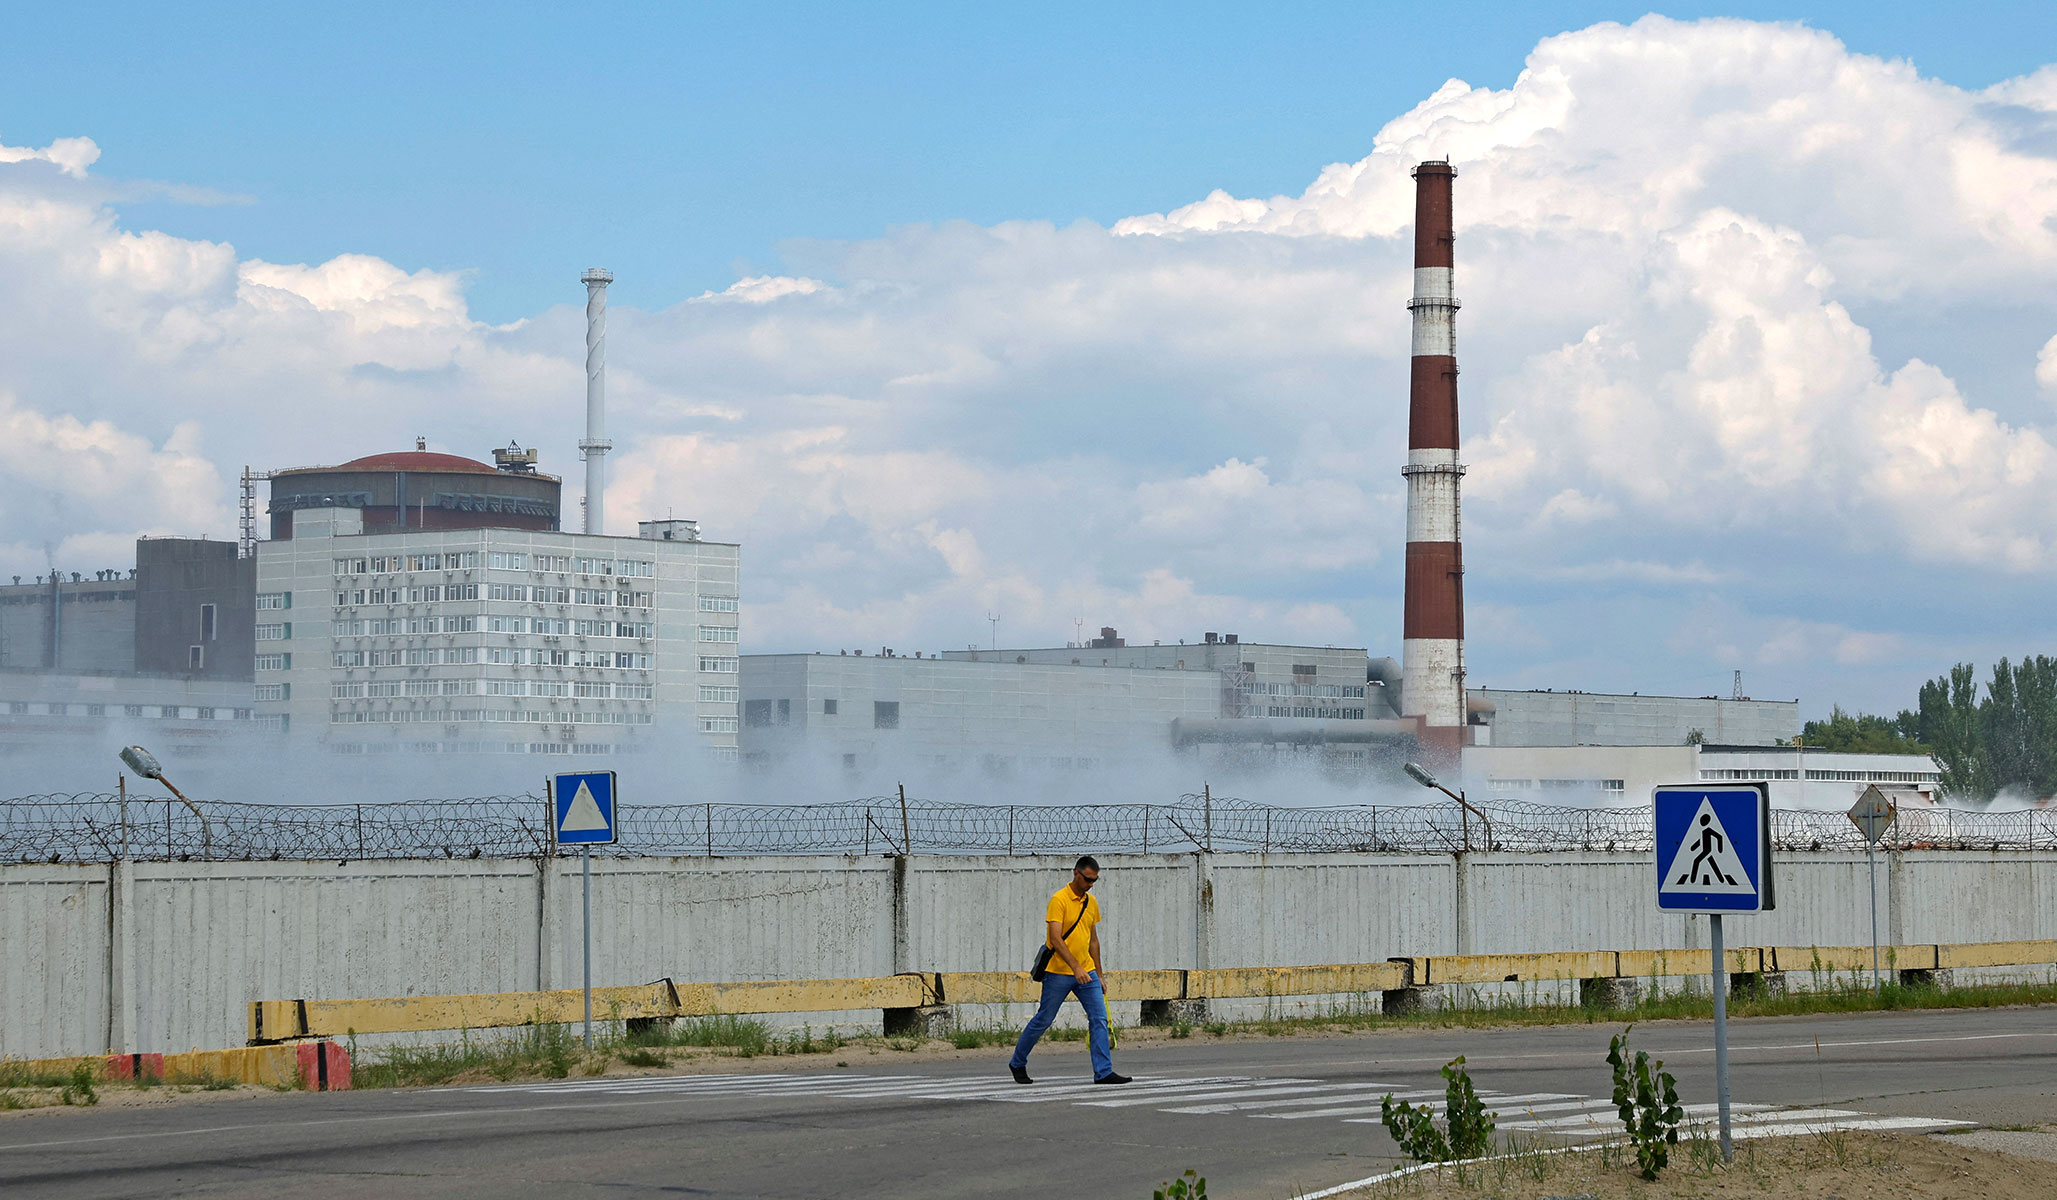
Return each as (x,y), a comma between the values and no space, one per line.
(1714,848)
(582,808)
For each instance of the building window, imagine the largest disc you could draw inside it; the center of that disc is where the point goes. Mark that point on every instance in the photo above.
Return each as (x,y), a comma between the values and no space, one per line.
(720,666)
(274,599)
(757,713)
(717,724)
(717,604)
(785,712)
(718,633)
(206,714)
(271,691)
(96,710)
(885,714)
(1303,668)
(714,693)
(207,622)
(196,657)
(274,662)
(849,760)
(828,708)
(131,710)
(19,708)
(275,632)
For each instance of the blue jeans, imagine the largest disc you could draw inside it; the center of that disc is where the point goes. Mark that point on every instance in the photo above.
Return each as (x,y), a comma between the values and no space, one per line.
(1056,986)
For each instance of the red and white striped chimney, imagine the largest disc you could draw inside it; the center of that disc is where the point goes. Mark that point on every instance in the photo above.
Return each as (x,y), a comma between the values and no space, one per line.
(1432,653)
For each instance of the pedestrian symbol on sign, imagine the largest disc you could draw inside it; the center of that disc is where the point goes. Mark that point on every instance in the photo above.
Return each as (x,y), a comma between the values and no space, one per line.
(1707,860)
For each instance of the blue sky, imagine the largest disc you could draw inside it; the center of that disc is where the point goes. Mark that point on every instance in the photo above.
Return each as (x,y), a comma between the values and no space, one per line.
(683,144)
(1076,315)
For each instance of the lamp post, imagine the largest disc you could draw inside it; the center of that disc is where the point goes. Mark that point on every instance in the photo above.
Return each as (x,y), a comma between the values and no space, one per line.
(1420,775)
(144,764)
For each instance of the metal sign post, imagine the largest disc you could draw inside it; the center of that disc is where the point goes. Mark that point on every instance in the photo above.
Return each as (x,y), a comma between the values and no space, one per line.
(582,808)
(1873,815)
(1714,857)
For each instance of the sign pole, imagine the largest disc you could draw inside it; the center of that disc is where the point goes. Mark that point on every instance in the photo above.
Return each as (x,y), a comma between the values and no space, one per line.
(586,904)
(1728,1150)
(1871,868)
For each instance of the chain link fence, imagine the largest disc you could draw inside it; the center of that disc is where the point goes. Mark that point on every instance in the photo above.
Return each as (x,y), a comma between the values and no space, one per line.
(106,827)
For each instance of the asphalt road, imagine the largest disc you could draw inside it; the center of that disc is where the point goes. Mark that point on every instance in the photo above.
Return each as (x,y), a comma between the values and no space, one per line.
(1261,1119)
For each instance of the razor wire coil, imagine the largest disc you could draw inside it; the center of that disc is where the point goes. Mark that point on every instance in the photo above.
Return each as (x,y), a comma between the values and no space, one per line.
(106,827)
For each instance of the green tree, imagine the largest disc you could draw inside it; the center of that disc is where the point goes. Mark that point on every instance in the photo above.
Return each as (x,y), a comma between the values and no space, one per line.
(1864,733)
(1948,722)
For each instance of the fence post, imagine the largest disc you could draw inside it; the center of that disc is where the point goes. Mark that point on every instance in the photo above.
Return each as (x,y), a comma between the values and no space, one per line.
(1267,829)
(710,830)
(360,829)
(906,832)
(1207,797)
(1146,829)
(1010,831)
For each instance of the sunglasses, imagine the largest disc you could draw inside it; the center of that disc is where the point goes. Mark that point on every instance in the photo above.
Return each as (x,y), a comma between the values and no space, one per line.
(1089,880)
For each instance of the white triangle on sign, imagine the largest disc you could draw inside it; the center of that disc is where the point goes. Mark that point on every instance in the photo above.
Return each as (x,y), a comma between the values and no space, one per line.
(1707,861)
(583,814)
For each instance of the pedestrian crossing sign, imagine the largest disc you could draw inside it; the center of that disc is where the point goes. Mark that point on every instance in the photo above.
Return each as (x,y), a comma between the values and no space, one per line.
(1714,848)
(582,808)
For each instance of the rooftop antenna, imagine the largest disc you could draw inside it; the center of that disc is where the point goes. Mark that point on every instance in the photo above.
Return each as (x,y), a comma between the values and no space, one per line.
(594,446)
(996,629)
(1078,626)
(1736,692)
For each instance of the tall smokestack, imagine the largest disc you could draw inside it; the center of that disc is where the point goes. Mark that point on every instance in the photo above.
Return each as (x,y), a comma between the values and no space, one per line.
(1432,687)
(594,446)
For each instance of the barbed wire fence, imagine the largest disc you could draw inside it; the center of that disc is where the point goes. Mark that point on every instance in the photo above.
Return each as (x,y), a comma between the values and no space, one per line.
(106,827)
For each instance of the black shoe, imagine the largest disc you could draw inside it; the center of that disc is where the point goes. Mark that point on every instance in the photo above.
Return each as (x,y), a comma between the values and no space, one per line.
(1113,1077)
(1020,1074)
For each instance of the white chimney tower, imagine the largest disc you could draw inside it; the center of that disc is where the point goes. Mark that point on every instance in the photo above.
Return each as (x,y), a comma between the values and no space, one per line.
(594,446)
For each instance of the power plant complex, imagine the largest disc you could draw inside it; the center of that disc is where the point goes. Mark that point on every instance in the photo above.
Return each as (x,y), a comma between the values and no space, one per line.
(429,602)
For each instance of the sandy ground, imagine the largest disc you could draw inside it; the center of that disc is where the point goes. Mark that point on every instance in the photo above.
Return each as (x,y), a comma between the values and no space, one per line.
(1832,1166)
(43,1101)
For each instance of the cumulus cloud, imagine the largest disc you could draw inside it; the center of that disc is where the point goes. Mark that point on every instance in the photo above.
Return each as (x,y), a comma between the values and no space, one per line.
(1700,265)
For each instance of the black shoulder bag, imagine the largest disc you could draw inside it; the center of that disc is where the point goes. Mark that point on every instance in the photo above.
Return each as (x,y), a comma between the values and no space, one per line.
(1042,966)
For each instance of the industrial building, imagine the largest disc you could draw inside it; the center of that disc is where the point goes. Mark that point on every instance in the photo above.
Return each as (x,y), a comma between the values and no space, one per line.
(1556,718)
(167,642)
(1621,776)
(471,635)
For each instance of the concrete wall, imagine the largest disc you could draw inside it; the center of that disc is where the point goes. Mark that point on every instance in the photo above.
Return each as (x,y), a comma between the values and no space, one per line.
(165,956)
(1600,719)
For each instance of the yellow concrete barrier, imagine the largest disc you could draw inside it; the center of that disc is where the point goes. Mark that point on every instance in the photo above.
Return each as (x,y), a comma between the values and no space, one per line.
(1997,954)
(1642,964)
(273,1021)
(285,1020)
(1850,958)
(1224,983)
(1513,968)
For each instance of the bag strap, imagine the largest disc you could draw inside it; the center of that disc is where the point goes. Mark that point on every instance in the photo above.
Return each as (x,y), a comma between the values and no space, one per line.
(1081,914)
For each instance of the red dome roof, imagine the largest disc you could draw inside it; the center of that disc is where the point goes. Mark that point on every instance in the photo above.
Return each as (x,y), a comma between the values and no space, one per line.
(417,460)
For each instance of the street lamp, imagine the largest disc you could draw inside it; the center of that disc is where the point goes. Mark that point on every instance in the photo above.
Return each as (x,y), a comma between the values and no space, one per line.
(1420,775)
(144,764)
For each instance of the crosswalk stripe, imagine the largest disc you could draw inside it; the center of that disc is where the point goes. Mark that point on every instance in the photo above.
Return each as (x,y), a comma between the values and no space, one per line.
(1424,1094)
(1043,1093)
(1338,1092)
(1608,1120)
(1129,1100)
(1807,1128)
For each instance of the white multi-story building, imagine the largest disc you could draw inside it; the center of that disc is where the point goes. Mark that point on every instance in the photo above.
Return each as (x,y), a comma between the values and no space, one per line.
(497,639)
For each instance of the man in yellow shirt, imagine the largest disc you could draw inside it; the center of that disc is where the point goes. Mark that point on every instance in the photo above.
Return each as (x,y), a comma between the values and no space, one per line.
(1072,922)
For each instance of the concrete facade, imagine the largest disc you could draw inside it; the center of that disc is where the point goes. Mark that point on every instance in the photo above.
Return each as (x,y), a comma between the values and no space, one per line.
(1257,679)
(497,640)
(859,711)
(164,956)
(60,624)
(1601,719)
(195,608)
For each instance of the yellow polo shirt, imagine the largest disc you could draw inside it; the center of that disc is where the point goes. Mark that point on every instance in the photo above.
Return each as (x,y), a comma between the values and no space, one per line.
(1064,908)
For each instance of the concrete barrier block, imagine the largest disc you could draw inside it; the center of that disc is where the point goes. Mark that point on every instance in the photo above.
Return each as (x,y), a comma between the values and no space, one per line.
(1174,1012)
(1606,993)
(922,1021)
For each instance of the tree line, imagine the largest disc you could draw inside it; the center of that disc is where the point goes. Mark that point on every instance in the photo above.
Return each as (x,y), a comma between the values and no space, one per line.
(1986,742)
